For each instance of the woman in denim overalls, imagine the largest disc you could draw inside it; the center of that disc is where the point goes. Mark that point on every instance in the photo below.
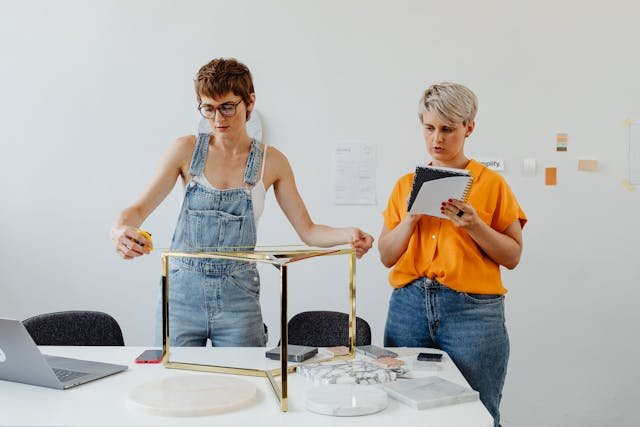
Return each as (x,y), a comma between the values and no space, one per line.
(225,175)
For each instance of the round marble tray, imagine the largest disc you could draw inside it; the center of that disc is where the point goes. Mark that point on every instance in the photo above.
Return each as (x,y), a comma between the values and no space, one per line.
(345,400)
(192,395)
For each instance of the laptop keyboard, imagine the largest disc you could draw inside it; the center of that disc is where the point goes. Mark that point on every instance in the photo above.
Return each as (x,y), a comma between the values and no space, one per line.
(64,375)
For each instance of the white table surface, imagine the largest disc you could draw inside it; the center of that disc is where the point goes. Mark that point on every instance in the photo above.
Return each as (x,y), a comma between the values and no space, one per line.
(105,403)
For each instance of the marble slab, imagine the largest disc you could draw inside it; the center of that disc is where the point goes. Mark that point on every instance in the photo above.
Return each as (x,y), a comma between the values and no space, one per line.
(429,392)
(192,395)
(350,372)
(340,350)
(419,365)
(405,351)
(345,400)
(387,362)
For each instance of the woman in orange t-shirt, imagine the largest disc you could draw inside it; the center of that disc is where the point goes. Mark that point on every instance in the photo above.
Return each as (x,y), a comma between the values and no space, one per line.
(448,293)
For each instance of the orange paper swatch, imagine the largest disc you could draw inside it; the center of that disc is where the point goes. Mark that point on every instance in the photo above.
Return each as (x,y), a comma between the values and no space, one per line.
(550,176)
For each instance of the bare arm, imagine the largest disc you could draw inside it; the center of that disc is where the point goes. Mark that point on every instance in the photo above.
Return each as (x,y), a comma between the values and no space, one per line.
(124,232)
(504,247)
(292,205)
(393,243)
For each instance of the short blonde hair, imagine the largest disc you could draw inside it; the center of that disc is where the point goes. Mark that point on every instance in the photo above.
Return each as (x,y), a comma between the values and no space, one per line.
(453,102)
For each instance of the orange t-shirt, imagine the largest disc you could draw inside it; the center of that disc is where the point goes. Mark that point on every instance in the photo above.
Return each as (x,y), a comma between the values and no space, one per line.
(438,249)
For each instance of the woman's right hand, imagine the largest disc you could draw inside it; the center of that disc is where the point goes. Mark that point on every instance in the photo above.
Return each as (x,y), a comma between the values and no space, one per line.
(128,242)
(393,243)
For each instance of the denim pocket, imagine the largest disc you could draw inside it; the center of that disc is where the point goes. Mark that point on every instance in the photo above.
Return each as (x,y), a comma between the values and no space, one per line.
(214,229)
(483,298)
(247,281)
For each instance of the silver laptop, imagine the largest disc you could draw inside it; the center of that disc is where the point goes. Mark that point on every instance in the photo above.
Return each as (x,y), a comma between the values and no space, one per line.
(21,361)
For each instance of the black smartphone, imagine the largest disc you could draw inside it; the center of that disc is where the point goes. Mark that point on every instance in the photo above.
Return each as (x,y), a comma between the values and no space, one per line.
(430,357)
(150,356)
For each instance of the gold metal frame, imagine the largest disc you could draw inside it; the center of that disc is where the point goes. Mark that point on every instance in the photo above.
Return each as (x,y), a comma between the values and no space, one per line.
(280,258)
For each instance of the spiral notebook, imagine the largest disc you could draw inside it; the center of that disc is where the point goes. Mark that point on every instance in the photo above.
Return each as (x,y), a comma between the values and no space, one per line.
(433,185)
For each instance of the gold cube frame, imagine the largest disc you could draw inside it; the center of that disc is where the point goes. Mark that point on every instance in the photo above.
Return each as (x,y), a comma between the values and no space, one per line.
(281,258)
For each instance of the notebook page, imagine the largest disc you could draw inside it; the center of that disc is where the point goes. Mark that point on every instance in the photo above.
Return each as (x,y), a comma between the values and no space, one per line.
(433,193)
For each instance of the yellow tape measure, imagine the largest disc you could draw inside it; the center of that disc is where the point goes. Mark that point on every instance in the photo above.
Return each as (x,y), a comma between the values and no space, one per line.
(147,236)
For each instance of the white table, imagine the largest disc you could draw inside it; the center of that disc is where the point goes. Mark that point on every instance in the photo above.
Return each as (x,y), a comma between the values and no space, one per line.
(105,402)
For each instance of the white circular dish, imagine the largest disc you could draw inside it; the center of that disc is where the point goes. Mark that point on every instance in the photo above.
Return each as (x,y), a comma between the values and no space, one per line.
(345,400)
(192,395)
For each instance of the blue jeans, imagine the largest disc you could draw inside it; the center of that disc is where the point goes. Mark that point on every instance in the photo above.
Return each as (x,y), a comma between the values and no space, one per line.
(224,308)
(469,327)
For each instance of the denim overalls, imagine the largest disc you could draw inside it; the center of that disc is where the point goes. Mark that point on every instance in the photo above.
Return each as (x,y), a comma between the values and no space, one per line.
(214,298)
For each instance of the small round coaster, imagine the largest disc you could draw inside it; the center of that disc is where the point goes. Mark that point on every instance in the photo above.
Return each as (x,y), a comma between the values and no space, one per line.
(192,395)
(345,400)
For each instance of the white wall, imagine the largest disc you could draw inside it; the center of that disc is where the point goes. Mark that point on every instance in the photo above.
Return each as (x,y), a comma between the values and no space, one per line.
(91,94)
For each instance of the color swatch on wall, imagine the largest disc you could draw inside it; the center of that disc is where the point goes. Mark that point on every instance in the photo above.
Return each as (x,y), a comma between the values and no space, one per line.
(562,141)
(589,165)
(550,176)
(529,166)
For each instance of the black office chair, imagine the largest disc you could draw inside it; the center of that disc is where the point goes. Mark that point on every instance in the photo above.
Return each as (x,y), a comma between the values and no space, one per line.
(74,328)
(326,329)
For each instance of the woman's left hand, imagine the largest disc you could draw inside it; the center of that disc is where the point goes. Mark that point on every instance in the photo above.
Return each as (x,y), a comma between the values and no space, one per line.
(462,214)
(361,242)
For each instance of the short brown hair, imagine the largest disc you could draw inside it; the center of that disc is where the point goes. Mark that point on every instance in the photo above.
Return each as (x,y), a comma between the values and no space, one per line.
(221,76)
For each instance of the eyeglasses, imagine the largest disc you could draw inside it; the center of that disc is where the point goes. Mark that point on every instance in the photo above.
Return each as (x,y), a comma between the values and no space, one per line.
(228,109)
